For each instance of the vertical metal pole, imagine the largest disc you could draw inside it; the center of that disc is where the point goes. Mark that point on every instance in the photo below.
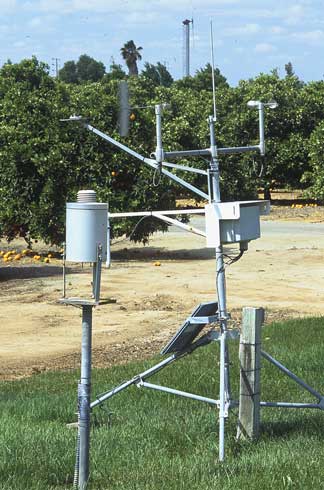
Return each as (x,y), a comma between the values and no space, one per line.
(84,397)
(159,153)
(124,109)
(97,278)
(186,24)
(224,358)
(159,148)
(64,271)
(222,397)
(94,278)
(214,167)
(224,383)
(213,68)
(108,261)
(261,128)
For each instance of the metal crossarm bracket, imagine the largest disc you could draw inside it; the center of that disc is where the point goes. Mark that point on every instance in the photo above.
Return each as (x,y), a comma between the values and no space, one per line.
(321,403)
(230,334)
(203,319)
(203,315)
(172,391)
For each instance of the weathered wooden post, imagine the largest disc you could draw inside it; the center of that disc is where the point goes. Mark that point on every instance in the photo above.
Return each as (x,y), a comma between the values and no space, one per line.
(250,369)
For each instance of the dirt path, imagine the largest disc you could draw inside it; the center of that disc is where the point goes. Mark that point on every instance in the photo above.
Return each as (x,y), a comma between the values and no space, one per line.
(283,271)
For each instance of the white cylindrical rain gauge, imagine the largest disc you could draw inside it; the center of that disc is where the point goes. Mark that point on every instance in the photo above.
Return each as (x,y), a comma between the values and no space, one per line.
(86,228)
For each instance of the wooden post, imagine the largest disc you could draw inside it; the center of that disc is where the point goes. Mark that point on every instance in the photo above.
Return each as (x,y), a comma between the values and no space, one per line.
(250,367)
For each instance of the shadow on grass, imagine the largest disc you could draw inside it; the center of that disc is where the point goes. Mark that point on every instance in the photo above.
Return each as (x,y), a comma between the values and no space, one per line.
(309,425)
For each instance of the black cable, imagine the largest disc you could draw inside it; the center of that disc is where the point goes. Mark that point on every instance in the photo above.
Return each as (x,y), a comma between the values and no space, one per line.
(231,260)
(157,176)
(126,239)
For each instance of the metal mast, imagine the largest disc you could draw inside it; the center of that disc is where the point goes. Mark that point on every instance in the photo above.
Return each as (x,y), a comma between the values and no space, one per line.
(186,47)
(55,65)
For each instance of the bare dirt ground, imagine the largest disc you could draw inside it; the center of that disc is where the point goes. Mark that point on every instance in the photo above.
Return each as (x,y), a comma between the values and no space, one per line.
(146,303)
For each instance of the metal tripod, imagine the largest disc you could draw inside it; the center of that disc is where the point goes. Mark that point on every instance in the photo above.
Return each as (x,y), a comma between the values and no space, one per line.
(225,402)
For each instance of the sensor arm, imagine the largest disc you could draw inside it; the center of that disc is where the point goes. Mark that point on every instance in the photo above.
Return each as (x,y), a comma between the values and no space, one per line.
(207,153)
(149,161)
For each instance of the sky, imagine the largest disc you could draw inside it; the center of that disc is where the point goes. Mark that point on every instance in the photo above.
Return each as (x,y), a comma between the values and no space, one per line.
(250,36)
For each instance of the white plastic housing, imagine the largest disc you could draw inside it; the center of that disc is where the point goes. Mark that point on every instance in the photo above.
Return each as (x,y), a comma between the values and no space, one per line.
(86,227)
(233,222)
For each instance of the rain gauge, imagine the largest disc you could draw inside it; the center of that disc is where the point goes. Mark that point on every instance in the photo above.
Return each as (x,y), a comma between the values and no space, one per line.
(86,241)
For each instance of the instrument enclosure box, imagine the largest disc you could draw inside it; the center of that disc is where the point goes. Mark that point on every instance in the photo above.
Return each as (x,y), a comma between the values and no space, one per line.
(233,222)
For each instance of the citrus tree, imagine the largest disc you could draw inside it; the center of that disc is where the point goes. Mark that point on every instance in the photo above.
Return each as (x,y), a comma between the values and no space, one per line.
(44,162)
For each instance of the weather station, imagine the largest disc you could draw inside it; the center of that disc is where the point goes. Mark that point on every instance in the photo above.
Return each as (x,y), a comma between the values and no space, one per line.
(238,222)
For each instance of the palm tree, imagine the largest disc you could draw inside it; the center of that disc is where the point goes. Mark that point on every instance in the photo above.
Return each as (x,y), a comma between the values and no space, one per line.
(131,54)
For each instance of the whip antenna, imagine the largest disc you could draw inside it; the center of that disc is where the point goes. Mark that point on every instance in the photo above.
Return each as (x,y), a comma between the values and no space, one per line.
(213,68)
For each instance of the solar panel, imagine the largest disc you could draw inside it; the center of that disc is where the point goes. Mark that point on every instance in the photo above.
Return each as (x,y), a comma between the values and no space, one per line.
(204,314)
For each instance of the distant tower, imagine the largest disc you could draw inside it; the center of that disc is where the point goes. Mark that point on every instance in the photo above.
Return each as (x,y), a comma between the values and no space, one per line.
(55,66)
(186,47)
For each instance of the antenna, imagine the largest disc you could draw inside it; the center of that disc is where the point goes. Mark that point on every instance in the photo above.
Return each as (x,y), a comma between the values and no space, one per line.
(213,67)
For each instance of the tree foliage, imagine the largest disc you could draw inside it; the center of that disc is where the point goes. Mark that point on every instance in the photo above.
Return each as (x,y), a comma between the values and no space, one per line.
(202,80)
(158,74)
(289,69)
(44,162)
(86,69)
(116,72)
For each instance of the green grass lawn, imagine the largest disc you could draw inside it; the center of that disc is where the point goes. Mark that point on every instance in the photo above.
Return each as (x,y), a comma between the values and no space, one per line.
(145,440)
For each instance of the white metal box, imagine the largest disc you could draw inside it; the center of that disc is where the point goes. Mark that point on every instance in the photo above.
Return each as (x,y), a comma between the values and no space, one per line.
(233,222)
(86,227)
